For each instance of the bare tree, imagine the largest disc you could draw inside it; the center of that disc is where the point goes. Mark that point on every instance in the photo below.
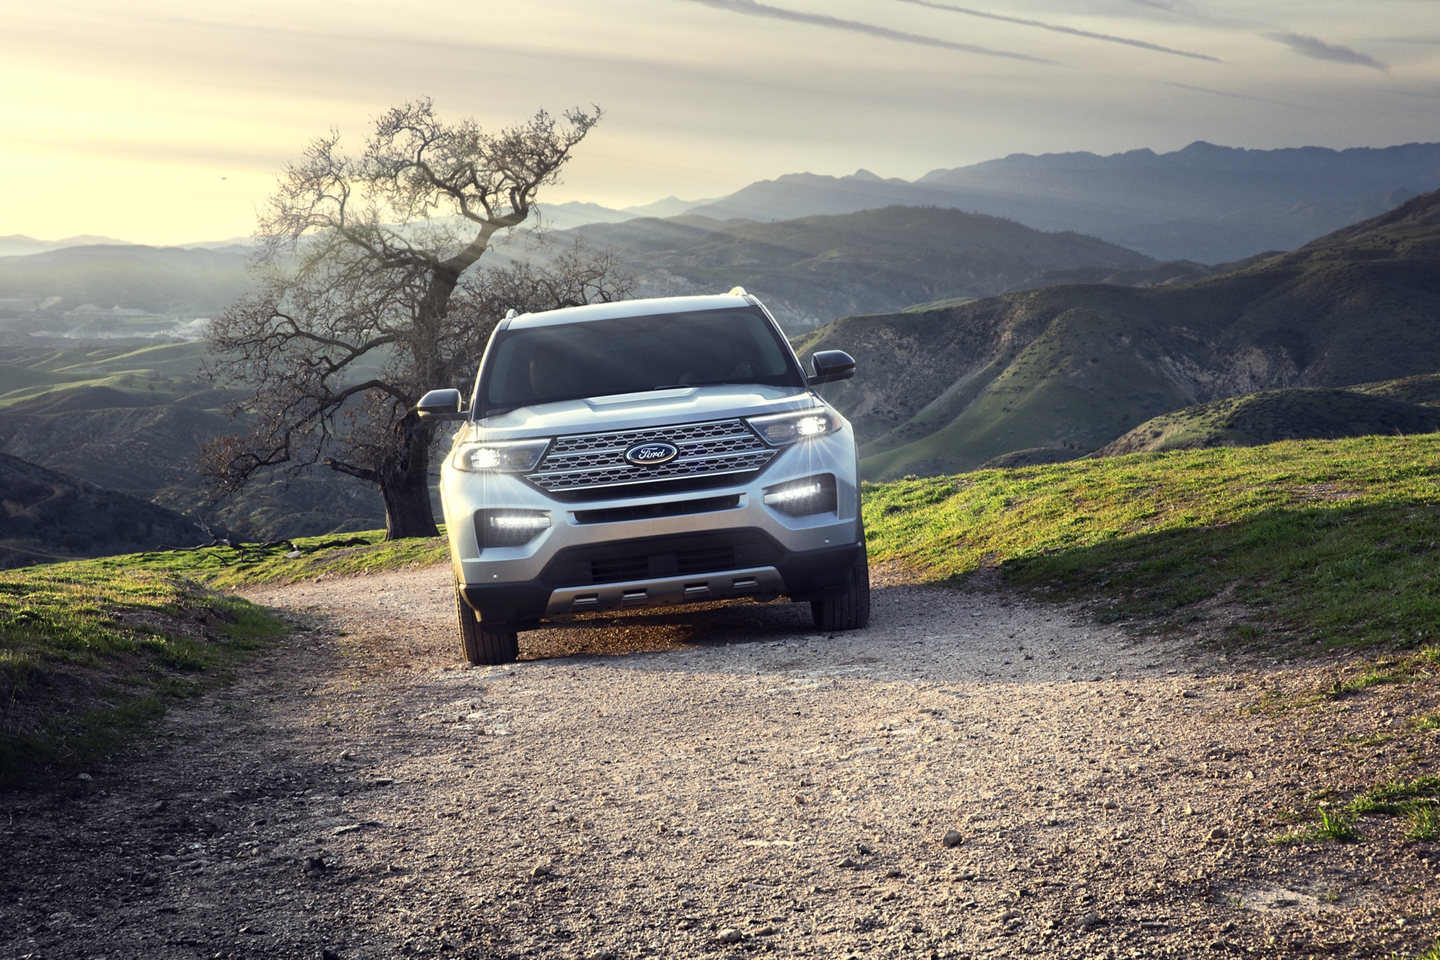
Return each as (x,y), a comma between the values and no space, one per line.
(364,300)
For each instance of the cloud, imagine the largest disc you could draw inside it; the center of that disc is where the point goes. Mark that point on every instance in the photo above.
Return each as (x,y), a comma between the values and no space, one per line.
(1074,32)
(753,9)
(1317,49)
(1172,6)
(1233,96)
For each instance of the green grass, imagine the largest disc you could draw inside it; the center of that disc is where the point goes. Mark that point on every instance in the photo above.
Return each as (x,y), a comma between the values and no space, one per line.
(1392,799)
(1332,543)
(1338,827)
(90,653)
(228,568)
(1420,665)
(1335,825)
(1432,954)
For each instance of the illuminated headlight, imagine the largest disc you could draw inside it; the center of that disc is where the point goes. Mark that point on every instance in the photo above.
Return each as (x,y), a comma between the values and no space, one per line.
(784,428)
(509,528)
(801,498)
(520,456)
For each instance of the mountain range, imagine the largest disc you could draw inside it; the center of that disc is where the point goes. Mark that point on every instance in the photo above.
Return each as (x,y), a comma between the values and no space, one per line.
(1204,203)
(811,270)
(1059,372)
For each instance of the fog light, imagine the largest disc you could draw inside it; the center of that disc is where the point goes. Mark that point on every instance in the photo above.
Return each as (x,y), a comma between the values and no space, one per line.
(801,498)
(509,528)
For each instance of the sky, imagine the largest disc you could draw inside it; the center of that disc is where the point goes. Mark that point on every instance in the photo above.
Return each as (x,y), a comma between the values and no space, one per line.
(167,121)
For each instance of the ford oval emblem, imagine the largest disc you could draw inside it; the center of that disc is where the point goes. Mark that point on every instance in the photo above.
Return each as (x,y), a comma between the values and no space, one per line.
(652,454)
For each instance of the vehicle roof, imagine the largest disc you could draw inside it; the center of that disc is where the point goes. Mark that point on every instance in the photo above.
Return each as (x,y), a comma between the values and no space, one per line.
(630,308)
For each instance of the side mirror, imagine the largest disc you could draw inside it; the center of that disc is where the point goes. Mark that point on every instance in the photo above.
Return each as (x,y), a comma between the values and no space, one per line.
(441,405)
(831,365)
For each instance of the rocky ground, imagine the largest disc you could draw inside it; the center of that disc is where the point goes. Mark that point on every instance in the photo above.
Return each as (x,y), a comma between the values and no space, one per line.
(973,775)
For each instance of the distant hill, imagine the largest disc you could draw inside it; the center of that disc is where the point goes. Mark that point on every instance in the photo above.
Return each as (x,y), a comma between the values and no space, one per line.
(1411,405)
(77,289)
(47,516)
(131,415)
(19,245)
(1065,370)
(813,269)
(1206,203)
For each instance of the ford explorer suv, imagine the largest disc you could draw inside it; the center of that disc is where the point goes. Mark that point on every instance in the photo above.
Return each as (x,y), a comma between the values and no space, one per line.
(646,453)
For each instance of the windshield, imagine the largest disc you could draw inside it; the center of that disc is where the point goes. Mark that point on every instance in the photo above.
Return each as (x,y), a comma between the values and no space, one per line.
(599,358)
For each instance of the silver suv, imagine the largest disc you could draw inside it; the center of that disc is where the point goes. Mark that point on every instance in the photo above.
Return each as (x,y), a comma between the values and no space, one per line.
(642,453)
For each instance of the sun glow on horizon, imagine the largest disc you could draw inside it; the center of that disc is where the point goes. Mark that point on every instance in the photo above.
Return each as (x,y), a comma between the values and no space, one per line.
(159,122)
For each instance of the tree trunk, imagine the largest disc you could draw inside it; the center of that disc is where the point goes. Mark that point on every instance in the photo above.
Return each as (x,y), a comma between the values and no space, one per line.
(406,489)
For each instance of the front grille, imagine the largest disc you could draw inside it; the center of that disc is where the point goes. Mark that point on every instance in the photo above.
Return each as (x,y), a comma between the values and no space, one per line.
(618,569)
(673,508)
(713,453)
(654,558)
(705,561)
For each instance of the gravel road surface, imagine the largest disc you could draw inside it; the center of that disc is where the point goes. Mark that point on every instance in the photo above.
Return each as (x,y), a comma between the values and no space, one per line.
(974,775)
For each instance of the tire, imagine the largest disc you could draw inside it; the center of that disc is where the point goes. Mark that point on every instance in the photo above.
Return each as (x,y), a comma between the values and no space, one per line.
(850,610)
(480,646)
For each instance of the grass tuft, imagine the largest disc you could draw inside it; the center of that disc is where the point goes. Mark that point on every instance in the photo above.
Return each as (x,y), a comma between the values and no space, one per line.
(1337,826)
(1424,820)
(1334,825)
(1394,798)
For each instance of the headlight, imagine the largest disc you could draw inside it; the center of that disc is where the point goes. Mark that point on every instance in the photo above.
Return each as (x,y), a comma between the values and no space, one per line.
(783,428)
(801,498)
(519,456)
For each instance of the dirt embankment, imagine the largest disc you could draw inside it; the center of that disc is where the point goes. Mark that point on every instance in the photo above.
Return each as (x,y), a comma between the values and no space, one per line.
(971,775)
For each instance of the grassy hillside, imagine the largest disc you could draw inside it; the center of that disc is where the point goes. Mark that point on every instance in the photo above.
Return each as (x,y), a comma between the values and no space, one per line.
(1066,370)
(90,653)
(1309,543)
(1272,415)
(813,269)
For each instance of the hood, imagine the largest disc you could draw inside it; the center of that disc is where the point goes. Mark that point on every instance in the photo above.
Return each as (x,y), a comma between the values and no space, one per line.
(638,411)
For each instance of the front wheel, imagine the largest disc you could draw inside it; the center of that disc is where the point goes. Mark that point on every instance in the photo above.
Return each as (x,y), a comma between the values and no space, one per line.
(484,647)
(850,610)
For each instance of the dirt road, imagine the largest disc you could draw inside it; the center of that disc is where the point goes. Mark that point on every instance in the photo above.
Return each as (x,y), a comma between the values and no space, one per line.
(973,775)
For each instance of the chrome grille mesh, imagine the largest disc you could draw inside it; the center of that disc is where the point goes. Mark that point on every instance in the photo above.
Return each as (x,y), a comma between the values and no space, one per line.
(595,460)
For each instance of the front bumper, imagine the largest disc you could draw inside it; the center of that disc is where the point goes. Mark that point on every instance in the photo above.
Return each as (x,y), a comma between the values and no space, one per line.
(677,548)
(802,575)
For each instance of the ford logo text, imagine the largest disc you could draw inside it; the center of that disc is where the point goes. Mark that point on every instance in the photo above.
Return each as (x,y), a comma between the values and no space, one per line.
(652,454)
